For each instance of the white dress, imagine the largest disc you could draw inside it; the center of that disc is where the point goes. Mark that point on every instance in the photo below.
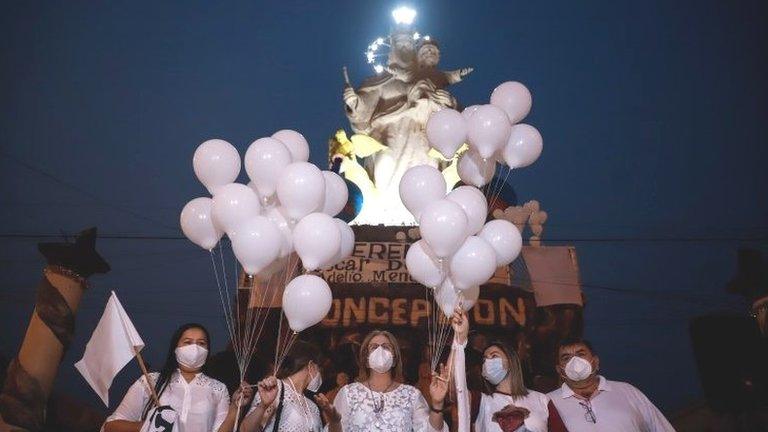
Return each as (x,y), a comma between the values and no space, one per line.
(201,405)
(299,413)
(403,409)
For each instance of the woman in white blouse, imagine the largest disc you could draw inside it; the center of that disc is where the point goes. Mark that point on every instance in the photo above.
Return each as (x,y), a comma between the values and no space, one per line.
(190,401)
(506,405)
(280,405)
(379,401)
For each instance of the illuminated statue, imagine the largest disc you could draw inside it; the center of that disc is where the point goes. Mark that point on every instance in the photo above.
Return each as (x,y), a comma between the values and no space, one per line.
(393,107)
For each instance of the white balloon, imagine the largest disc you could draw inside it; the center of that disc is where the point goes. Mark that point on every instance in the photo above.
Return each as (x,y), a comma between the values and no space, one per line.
(296,143)
(316,239)
(276,216)
(420,186)
(475,170)
(257,244)
(443,225)
(468,111)
(473,264)
(197,224)
(423,265)
(446,131)
(504,238)
(524,146)
(346,247)
(216,163)
(488,130)
(336,193)
(301,189)
(307,300)
(347,240)
(265,160)
(514,98)
(232,204)
(474,204)
(448,297)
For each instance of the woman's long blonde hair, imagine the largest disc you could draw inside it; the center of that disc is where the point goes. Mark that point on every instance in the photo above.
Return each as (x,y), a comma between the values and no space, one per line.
(362,359)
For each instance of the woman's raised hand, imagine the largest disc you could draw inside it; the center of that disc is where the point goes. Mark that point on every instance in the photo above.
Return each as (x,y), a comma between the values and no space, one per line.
(460,324)
(328,409)
(267,390)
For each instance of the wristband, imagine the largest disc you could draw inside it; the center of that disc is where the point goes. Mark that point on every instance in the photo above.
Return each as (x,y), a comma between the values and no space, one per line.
(435,410)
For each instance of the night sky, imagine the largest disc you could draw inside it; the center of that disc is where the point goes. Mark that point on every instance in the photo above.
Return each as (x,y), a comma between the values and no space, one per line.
(653,115)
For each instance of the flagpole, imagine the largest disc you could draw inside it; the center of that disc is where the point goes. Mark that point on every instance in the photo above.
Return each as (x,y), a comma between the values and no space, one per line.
(146,376)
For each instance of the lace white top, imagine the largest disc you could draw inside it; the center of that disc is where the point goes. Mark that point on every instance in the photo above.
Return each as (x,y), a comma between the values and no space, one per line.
(299,413)
(201,404)
(403,409)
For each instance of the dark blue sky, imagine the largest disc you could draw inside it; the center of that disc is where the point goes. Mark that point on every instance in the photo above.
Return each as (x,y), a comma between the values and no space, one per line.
(653,116)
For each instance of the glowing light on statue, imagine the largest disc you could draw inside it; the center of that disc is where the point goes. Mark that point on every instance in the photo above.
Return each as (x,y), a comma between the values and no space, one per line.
(404,15)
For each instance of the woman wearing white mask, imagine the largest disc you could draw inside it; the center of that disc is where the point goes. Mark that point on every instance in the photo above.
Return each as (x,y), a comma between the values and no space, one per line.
(506,405)
(281,404)
(379,401)
(190,401)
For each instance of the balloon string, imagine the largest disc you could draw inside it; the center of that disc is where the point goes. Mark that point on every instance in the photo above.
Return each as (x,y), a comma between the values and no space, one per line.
(431,303)
(235,344)
(227,321)
(237,417)
(497,194)
(279,340)
(240,324)
(286,349)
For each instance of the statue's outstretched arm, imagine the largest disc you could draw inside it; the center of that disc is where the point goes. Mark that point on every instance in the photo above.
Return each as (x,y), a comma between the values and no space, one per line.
(456,76)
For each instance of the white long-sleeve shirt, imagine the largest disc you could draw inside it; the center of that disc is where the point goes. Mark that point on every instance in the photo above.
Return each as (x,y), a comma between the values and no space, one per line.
(201,404)
(617,406)
(403,409)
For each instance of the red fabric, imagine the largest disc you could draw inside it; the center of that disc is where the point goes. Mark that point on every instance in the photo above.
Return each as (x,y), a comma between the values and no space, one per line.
(510,418)
(555,423)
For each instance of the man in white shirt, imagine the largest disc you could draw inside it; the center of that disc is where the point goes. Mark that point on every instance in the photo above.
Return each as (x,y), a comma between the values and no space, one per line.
(587,402)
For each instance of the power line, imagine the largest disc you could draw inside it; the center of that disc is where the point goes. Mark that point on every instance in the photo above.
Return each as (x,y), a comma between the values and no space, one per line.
(638,239)
(82,191)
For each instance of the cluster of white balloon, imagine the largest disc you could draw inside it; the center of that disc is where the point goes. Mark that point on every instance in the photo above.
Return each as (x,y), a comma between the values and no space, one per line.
(459,251)
(494,134)
(289,206)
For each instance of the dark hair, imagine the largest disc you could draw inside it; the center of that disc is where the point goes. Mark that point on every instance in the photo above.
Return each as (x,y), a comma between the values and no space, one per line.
(298,357)
(515,371)
(170,365)
(574,340)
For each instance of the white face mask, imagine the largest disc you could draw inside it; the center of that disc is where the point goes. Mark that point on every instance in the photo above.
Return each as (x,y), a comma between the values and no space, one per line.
(494,370)
(578,369)
(380,360)
(315,382)
(191,356)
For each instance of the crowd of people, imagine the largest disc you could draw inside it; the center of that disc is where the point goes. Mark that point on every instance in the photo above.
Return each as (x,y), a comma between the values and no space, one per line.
(181,398)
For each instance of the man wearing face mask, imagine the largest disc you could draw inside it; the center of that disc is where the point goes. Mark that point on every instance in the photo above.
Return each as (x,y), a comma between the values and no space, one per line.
(588,402)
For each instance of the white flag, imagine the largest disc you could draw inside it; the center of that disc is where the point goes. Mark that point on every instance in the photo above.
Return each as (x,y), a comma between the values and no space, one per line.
(111,347)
